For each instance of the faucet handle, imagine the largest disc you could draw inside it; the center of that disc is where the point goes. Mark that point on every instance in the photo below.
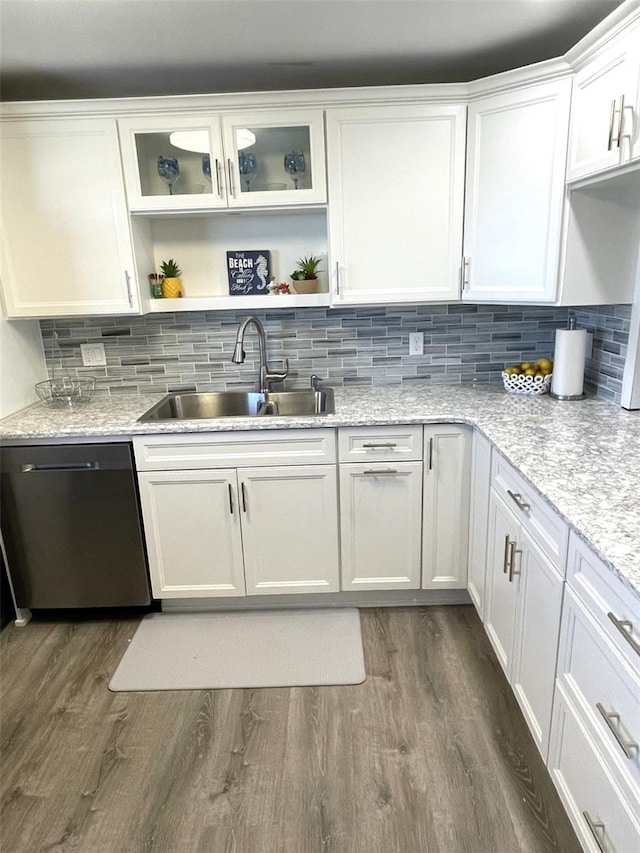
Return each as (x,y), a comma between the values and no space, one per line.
(315,383)
(277,375)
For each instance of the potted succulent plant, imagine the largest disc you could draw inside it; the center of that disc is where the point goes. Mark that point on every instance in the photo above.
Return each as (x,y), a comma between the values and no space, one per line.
(171,283)
(305,276)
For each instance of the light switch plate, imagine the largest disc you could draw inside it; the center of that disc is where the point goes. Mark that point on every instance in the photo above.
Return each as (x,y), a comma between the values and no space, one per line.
(416,343)
(93,355)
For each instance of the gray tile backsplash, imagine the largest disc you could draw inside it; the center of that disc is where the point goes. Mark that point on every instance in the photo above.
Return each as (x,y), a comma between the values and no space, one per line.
(346,346)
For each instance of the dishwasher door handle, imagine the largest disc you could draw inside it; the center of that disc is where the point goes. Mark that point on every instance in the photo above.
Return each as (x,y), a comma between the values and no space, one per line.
(61,466)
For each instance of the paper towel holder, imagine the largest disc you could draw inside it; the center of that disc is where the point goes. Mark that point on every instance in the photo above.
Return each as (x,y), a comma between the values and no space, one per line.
(570,325)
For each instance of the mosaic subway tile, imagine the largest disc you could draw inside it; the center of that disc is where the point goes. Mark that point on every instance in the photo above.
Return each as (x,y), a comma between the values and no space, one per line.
(345,346)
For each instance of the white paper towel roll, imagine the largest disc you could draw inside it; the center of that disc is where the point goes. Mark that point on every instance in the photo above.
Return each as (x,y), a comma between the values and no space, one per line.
(568,362)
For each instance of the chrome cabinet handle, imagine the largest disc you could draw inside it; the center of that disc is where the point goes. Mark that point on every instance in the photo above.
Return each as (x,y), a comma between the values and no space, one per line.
(620,123)
(505,567)
(512,556)
(337,278)
(431,454)
(127,279)
(218,182)
(244,497)
(626,629)
(517,497)
(381,471)
(232,188)
(611,120)
(466,268)
(377,445)
(612,719)
(230,499)
(596,826)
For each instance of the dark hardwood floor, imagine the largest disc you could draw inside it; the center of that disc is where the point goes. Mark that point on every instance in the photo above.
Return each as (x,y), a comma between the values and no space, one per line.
(429,755)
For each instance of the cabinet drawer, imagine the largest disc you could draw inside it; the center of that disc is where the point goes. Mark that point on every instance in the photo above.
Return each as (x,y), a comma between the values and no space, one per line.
(548,530)
(235,449)
(586,786)
(601,683)
(615,608)
(380,444)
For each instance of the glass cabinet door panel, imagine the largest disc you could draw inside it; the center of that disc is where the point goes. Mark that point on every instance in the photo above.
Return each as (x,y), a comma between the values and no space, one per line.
(278,160)
(275,158)
(179,165)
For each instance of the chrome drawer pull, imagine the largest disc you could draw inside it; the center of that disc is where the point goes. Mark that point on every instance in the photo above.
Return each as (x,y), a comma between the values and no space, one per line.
(626,629)
(377,445)
(382,471)
(612,719)
(517,497)
(596,826)
(512,555)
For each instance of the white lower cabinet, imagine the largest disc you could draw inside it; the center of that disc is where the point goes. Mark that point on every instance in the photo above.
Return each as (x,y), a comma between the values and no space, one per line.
(290,529)
(605,819)
(192,528)
(381,515)
(445,524)
(522,612)
(479,519)
(248,529)
(594,758)
(380,506)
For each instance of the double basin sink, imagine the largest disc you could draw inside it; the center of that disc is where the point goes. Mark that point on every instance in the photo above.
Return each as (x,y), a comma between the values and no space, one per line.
(239,404)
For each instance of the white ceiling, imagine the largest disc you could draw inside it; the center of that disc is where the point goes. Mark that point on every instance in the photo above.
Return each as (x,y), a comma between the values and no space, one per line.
(117,48)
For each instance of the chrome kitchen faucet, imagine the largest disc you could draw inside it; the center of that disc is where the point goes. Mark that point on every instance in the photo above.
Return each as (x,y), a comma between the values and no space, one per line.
(265,377)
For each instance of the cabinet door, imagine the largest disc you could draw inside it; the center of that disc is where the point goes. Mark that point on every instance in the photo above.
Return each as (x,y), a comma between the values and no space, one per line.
(605,124)
(514,196)
(381,514)
(173,163)
(396,181)
(284,162)
(445,532)
(479,519)
(502,592)
(192,528)
(66,248)
(540,589)
(290,529)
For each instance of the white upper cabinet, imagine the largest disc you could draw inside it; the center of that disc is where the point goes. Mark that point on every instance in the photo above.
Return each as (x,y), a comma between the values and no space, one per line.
(66,248)
(517,144)
(605,123)
(396,183)
(208,162)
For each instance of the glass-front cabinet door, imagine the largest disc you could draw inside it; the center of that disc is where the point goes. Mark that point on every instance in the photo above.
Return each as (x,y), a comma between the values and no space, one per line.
(173,164)
(275,158)
(247,160)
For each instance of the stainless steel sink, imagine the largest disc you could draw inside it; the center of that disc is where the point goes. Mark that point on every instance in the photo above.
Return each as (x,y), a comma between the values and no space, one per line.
(240,404)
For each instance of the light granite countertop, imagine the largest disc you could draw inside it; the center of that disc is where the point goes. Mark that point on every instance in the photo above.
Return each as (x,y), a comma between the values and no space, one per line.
(582,457)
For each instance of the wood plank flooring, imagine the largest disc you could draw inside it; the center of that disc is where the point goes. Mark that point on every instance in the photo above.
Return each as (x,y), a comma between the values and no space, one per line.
(429,755)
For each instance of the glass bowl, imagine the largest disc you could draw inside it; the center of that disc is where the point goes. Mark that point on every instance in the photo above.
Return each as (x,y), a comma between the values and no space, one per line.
(66,392)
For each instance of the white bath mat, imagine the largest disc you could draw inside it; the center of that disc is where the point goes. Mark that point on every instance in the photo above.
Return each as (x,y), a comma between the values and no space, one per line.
(263,648)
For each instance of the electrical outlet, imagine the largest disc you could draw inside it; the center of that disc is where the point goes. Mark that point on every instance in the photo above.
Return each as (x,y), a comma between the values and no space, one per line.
(93,355)
(416,343)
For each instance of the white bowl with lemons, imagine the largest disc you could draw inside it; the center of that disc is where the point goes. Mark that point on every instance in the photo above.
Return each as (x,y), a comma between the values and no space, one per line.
(529,377)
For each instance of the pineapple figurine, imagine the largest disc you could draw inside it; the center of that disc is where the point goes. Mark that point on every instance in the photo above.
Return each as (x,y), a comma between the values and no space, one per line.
(171,283)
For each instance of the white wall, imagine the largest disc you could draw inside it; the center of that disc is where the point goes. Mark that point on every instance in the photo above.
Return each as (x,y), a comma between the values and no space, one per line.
(21,363)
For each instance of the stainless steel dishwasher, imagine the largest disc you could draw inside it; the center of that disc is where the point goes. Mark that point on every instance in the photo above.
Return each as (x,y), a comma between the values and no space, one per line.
(71,526)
